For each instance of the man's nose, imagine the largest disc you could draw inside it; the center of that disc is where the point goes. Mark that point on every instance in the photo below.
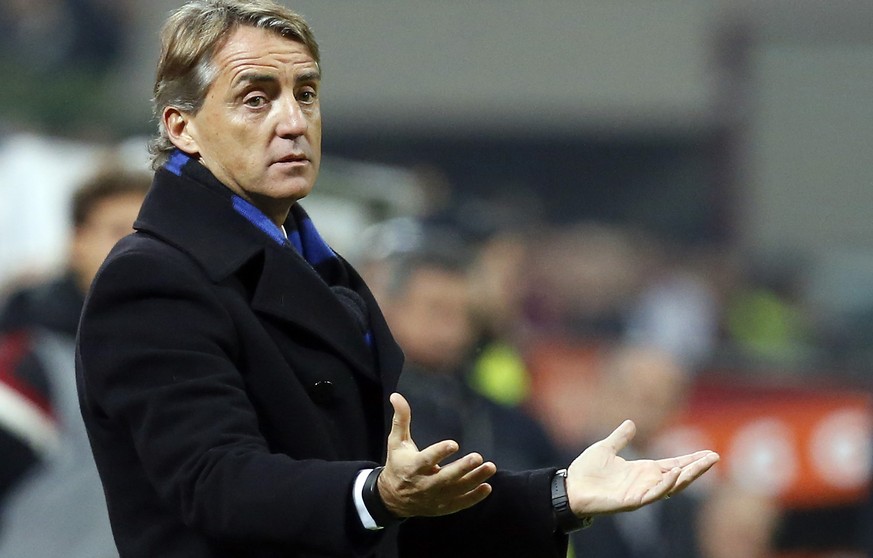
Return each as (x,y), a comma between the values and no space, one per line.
(292,119)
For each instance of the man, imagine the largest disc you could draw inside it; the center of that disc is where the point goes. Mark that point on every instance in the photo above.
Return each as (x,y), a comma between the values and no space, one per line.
(234,372)
(57,508)
(425,293)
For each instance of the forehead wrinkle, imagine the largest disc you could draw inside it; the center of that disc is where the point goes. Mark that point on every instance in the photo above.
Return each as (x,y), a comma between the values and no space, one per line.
(237,57)
(244,66)
(251,71)
(253,76)
(248,76)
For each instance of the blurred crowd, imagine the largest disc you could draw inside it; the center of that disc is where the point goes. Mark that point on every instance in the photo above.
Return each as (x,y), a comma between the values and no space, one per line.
(525,341)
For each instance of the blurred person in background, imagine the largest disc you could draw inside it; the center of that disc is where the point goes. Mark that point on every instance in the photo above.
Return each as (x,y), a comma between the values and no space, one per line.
(54,505)
(767,320)
(650,385)
(587,275)
(678,306)
(736,523)
(499,284)
(426,297)
(501,229)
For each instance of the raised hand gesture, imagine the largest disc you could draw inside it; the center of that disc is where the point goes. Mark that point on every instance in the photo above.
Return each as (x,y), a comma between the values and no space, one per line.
(414,484)
(599,481)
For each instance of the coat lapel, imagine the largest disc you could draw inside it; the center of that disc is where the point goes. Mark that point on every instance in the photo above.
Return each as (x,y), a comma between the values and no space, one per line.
(388,351)
(290,290)
(202,222)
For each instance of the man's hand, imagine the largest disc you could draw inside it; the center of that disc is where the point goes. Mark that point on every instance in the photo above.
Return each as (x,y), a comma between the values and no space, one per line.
(598,481)
(414,484)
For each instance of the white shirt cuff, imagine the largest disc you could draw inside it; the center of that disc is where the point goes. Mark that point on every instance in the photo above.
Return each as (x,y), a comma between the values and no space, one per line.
(358,496)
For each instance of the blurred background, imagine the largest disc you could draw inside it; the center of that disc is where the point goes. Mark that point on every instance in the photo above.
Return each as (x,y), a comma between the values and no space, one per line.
(690,175)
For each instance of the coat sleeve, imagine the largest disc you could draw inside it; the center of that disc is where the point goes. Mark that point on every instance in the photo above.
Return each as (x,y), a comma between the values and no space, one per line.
(514,521)
(156,363)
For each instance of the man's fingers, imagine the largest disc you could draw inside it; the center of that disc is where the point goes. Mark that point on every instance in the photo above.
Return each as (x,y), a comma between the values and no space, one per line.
(663,488)
(472,497)
(468,471)
(693,470)
(621,436)
(694,465)
(400,425)
(478,475)
(430,456)
(432,490)
(684,460)
(460,467)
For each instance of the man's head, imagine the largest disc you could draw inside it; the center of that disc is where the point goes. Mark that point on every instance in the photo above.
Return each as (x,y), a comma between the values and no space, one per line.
(237,88)
(103,210)
(642,383)
(424,292)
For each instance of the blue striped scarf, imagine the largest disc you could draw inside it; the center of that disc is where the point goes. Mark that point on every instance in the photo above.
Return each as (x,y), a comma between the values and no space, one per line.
(302,236)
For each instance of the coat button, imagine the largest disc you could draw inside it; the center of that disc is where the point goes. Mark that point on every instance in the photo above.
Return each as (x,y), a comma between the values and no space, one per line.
(322,391)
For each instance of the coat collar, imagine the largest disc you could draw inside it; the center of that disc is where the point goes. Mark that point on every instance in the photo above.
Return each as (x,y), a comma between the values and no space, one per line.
(197,217)
(193,212)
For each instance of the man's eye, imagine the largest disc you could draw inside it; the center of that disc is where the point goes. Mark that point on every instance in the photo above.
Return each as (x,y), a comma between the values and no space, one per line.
(307,97)
(255,101)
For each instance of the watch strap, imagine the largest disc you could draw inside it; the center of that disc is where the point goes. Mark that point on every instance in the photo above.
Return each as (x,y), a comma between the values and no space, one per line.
(565,520)
(373,501)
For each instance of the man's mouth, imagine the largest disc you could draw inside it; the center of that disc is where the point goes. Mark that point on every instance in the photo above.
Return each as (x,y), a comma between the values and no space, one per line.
(295,158)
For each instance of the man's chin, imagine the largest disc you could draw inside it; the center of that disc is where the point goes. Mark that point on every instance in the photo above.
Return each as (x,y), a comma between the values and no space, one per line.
(296,190)
(292,185)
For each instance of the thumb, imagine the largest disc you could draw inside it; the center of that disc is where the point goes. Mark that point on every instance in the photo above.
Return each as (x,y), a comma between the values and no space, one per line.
(400,425)
(621,436)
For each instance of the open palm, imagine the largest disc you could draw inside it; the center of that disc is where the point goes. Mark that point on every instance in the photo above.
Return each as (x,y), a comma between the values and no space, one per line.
(600,481)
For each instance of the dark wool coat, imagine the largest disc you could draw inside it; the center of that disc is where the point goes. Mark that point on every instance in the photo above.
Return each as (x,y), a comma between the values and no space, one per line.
(230,400)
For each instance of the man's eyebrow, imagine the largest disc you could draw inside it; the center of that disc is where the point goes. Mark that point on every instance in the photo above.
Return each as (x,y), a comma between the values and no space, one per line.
(253,77)
(308,76)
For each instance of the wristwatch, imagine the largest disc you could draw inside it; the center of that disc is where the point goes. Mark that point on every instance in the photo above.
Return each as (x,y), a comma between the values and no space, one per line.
(373,501)
(565,520)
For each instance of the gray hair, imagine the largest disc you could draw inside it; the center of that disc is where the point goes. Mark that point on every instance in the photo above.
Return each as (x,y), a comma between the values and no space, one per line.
(189,40)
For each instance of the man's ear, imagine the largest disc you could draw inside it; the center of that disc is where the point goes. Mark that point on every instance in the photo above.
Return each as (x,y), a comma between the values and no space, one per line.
(178,126)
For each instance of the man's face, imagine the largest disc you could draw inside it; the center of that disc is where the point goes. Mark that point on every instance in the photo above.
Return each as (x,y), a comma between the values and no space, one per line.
(108,221)
(259,129)
(431,318)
